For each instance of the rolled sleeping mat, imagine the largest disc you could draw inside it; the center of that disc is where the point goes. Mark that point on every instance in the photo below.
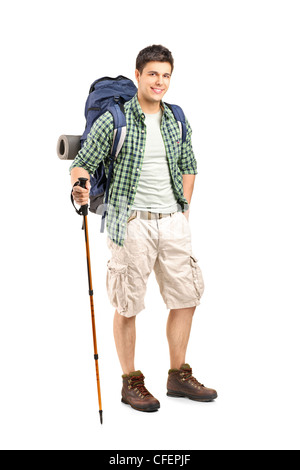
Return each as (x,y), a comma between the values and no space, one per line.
(68,146)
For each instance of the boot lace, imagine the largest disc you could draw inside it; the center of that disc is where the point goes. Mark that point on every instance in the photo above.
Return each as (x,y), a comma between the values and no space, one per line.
(137,382)
(187,375)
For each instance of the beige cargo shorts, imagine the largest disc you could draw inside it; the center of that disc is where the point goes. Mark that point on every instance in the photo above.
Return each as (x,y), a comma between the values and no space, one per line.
(158,242)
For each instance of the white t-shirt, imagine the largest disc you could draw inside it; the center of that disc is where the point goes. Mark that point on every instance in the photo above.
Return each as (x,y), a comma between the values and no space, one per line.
(154,192)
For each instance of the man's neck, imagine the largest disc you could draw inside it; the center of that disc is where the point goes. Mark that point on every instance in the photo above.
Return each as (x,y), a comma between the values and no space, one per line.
(149,107)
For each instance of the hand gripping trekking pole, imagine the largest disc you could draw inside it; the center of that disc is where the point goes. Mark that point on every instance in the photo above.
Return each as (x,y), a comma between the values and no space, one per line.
(84,212)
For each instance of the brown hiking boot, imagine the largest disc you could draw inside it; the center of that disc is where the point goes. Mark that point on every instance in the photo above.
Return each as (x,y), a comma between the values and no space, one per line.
(181,383)
(135,394)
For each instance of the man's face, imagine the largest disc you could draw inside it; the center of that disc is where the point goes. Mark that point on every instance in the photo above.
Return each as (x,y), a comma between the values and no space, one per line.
(154,81)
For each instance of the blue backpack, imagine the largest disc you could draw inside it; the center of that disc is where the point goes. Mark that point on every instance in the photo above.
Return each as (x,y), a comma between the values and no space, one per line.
(110,94)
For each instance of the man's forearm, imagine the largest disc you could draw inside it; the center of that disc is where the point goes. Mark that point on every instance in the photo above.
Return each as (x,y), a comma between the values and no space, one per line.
(188,182)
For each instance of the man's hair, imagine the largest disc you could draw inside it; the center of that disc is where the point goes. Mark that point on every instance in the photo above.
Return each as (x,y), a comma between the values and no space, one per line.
(153,54)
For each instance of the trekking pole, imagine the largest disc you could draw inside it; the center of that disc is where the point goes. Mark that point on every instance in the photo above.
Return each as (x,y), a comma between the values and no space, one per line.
(84,212)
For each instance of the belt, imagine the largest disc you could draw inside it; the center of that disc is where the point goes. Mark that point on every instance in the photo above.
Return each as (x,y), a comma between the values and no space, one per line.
(146,215)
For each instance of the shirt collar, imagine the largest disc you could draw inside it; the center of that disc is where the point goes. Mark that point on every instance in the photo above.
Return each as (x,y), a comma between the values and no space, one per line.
(167,112)
(138,112)
(136,107)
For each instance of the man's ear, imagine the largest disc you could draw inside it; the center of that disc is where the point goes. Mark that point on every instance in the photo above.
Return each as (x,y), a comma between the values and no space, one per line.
(137,75)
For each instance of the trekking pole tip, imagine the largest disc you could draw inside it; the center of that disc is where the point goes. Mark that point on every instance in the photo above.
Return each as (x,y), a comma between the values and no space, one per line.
(101,417)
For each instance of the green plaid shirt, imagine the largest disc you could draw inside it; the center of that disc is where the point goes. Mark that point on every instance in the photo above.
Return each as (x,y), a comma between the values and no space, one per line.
(127,167)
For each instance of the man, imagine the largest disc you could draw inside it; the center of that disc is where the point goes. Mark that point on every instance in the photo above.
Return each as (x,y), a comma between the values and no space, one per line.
(148,225)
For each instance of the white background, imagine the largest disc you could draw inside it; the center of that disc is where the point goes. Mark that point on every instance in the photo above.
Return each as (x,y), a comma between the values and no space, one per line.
(237,77)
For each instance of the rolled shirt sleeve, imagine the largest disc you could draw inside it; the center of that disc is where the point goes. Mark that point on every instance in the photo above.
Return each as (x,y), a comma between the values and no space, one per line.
(187,162)
(97,146)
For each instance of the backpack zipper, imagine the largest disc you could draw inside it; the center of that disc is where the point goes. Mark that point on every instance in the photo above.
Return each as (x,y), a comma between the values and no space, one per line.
(120,77)
(93,109)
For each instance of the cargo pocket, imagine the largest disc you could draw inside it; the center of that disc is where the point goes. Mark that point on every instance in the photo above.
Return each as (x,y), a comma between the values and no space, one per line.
(197,277)
(117,285)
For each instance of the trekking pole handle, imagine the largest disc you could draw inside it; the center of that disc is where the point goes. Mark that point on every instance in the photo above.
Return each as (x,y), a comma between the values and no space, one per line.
(82,182)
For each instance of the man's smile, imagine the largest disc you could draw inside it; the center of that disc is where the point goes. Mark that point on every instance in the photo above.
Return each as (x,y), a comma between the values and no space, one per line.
(158,91)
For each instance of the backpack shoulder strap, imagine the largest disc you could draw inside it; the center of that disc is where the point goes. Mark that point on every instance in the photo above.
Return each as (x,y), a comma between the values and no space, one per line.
(117,111)
(180,118)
